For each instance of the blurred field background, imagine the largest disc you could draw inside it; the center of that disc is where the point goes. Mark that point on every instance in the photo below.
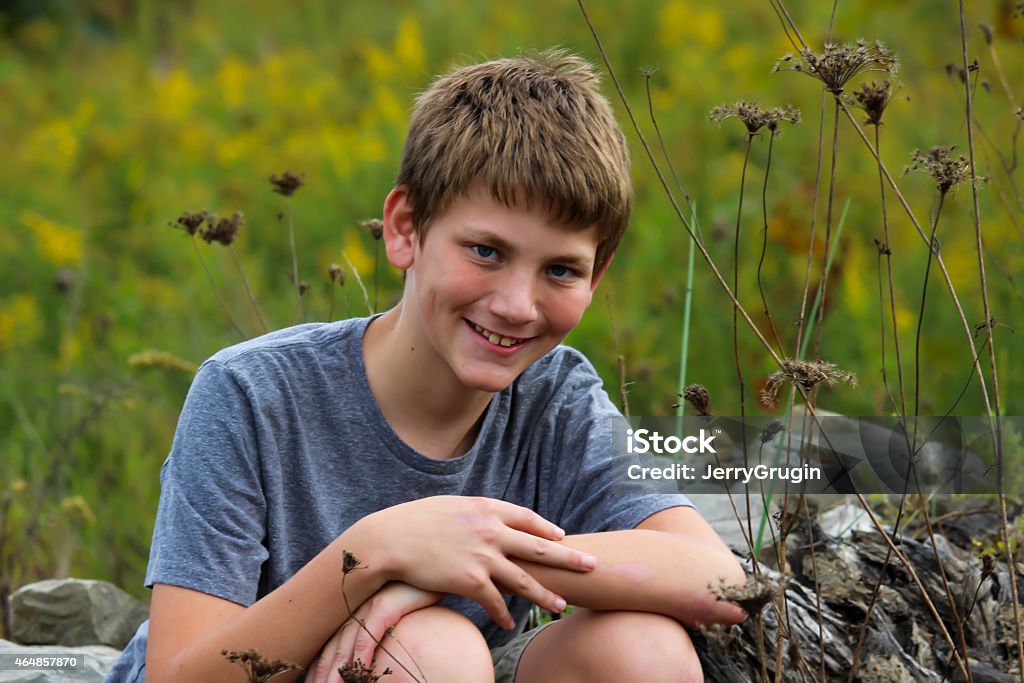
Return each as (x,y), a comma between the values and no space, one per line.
(119,115)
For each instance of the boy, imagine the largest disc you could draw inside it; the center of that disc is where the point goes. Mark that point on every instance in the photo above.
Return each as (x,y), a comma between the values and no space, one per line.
(445,444)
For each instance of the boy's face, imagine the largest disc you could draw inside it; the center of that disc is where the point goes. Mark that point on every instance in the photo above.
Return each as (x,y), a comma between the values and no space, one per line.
(494,288)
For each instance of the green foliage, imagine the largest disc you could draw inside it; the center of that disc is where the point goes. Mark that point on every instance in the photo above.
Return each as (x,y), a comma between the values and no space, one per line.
(121,116)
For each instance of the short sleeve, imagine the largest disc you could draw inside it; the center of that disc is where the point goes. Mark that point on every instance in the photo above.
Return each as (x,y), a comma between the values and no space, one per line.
(211,521)
(595,496)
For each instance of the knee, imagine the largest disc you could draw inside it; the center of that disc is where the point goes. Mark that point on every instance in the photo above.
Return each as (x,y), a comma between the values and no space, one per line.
(644,646)
(440,643)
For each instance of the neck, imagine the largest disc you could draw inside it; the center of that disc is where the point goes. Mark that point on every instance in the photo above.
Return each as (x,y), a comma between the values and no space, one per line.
(420,397)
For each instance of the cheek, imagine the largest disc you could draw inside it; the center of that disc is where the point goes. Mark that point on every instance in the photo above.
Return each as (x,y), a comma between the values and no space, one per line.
(566,311)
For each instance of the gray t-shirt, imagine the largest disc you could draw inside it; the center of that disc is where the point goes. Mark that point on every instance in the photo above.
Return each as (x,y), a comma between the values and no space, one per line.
(281,447)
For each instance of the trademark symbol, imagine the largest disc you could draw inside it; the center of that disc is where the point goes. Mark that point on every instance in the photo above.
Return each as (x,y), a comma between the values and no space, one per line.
(717,430)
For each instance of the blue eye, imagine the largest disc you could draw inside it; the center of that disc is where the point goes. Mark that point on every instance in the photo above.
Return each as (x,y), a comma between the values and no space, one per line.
(484,252)
(561,272)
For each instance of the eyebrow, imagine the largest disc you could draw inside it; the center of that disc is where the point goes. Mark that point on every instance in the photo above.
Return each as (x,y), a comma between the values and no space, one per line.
(499,242)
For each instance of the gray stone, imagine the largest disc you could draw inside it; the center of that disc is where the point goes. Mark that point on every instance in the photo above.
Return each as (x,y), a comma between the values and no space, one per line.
(93,661)
(719,513)
(74,612)
(842,520)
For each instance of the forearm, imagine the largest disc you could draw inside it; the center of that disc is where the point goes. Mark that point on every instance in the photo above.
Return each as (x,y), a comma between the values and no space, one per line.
(649,571)
(290,623)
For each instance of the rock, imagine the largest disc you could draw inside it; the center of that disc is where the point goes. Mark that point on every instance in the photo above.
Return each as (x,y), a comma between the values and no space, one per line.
(719,513)
(93,662)
(73,612)
(842,520)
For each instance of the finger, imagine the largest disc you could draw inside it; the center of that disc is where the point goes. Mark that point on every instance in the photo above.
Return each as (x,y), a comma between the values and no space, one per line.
(322,667)
(367,637)
(481,589)
(542,551)
(518,581)
(525,519)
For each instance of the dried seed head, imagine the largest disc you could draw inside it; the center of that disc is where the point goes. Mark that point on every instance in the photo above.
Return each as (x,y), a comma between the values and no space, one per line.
(772,430)
(374,226)
(222,230)
(697,396)
(349,562)
(287,183)
(988,565)
(357,672)
(754,117)
(806,374)
(940,164)
(873,98)
(839,64)
(190,221)
(336,273)
(258,669)
(752,596)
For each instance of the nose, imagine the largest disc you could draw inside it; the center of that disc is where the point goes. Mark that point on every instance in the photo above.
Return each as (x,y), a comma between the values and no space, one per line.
(515,300)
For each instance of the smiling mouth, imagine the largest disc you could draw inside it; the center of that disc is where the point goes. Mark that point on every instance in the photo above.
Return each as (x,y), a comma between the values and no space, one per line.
(496,338)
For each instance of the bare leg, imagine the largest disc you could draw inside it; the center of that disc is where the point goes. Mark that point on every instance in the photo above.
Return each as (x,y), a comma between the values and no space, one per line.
(447,647)
(594,647)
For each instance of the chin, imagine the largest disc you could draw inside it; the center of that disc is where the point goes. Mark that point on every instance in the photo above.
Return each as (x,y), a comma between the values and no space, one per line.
(489,382)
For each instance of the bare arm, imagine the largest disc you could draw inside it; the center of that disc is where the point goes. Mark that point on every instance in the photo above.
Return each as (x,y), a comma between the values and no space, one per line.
(665,565)
(448,544)
(189,629)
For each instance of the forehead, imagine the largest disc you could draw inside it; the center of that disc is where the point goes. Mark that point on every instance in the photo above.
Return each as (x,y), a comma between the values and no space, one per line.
(520,223)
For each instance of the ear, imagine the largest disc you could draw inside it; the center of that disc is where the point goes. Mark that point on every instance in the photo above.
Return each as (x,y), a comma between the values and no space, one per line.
(399,236)
(600,272)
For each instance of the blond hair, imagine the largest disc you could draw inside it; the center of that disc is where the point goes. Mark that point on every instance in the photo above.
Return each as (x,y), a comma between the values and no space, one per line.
(531,128)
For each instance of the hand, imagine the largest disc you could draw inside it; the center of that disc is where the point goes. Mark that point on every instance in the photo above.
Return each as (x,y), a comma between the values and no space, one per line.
(462,545)
(352,641)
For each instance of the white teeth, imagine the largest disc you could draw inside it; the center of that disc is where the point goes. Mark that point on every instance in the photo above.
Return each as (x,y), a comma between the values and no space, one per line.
(495,338)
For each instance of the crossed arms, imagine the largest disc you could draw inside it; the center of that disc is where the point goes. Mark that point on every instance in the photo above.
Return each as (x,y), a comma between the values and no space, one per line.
(474,547)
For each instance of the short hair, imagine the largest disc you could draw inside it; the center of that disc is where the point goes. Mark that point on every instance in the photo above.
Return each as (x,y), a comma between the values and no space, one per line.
(532,128)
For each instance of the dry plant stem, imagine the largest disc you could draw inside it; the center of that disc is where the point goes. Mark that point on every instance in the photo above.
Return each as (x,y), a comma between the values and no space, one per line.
(353,617)
(802,317)
(295,259)
(213,285)
(664,150)
(725,286)
(735,321)
(664,184)
(934,249)
(248,289)
(704,253)
(996,427)
(359,281)
(764,242)
(892,547)
(892,293)
(1011,210)
(735,310)
(960,622)
(817,596)
(867,618)
(938,257)
(823,282)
